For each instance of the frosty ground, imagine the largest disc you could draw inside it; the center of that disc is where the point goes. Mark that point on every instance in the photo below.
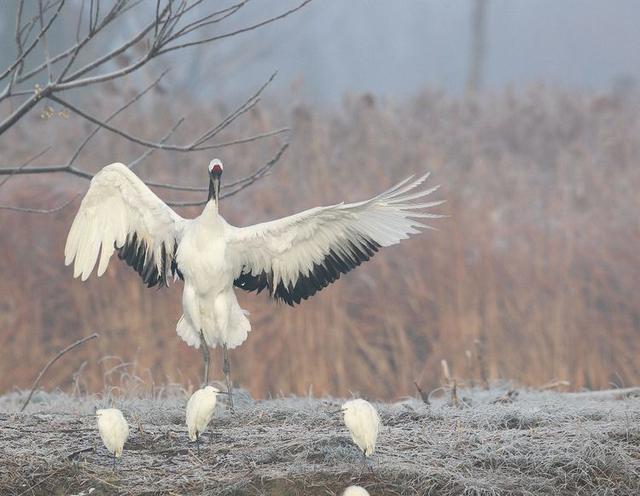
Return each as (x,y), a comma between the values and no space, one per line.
(530,443)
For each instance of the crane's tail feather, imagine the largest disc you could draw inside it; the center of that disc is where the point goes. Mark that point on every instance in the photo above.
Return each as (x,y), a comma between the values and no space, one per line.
(186,331)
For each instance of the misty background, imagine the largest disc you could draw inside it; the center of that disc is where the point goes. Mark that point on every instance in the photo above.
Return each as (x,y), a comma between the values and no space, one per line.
(529,120)
(394,49)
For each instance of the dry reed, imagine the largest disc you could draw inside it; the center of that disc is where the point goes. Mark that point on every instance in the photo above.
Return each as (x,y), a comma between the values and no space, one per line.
(537,262)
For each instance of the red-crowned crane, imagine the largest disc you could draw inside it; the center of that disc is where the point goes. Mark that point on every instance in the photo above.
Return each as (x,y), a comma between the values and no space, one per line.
(292,258)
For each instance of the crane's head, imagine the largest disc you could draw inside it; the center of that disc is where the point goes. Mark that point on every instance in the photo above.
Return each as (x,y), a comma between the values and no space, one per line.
(215,173)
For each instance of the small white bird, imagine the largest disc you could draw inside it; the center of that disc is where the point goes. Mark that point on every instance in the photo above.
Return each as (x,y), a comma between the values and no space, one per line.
(355,491)
(114,431)
(363,422)
(200,409)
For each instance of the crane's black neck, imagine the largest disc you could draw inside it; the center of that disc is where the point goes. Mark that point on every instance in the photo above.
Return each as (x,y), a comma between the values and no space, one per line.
(212,190)
(214,187)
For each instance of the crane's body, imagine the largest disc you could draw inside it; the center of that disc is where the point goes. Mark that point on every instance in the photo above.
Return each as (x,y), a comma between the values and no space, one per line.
(291,258)
(113,429)
(209,302)
(363,422)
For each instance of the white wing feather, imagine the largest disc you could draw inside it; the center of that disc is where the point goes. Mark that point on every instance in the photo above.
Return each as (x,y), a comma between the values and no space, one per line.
(296,256)
(120,212)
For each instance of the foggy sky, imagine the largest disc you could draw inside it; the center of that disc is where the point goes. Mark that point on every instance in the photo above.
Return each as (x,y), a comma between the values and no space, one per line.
(394,48)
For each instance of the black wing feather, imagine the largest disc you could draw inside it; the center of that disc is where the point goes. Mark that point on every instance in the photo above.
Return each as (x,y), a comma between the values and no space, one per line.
(134,254)
(329,270)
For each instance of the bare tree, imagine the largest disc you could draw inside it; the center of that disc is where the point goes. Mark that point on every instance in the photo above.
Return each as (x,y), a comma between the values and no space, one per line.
(478,50)
(170,26)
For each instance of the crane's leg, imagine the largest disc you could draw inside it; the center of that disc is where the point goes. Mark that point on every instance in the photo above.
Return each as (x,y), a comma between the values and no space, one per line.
(114,461)
(365,464)
(227,375)
(205,355)
(198,443)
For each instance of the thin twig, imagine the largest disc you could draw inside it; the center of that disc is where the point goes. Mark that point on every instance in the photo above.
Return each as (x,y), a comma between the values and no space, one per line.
(173,22)
(20,60)
(424,396)
(45,44)
(19,48)
(52,361)
(259,173)
(194,145)
(507,397)
(554,385)
(236,32)
(28,210)
(133,164)
(23,165)
(95,130)
(77,452)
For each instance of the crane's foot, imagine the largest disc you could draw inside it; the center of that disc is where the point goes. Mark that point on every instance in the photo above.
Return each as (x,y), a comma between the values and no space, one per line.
(226,368)
(205,356)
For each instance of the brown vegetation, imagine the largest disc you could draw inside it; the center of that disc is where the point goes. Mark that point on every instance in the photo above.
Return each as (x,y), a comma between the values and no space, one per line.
(534,276)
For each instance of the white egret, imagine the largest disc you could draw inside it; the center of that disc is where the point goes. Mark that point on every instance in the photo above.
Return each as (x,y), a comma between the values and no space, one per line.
(200,409)
(363,422)
(292,258)
(114,431)
(355,491)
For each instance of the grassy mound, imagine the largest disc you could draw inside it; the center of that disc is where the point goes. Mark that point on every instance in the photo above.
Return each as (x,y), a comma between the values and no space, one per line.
(534,443)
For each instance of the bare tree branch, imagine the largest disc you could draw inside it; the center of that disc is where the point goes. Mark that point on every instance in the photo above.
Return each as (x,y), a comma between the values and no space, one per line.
(149,151)
(232,33)
(29,210)
(19,49)
(113,53)
(243,183)
(171,26)
(209,19)
(240,141)
(234,187)
(51,362)
(21,58)
(45,43)
(193,146)
(114,114)
(75,49)
(23,165)
(247,105)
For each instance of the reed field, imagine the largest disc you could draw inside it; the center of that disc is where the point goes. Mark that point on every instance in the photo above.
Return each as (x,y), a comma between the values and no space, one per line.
(533,275)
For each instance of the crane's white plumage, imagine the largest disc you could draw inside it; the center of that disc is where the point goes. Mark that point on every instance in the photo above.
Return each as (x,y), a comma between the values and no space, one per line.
(355,491)
(297,256)
(119,212)
(292,258)
(200,409)
(113,429)
(363,422)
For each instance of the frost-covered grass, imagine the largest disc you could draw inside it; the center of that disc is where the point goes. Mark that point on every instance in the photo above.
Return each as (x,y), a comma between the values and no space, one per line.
(541,443)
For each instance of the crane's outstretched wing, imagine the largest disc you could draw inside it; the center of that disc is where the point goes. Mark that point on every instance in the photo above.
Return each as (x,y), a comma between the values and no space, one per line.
(297,256)
(120,213)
